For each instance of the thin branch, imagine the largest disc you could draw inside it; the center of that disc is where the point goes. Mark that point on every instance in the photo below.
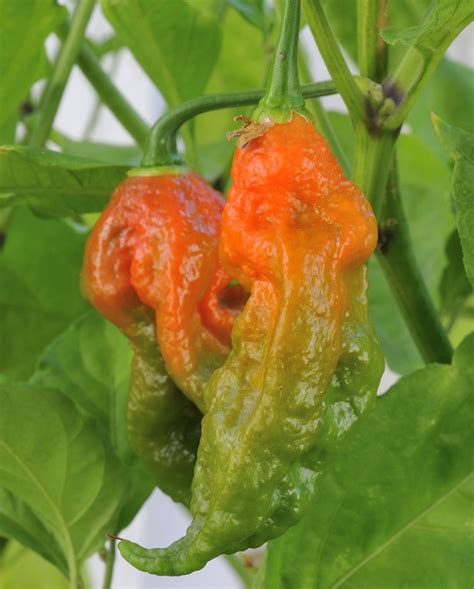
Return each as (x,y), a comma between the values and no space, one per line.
(371,54)
(56,84)
(109,94)
(334,60)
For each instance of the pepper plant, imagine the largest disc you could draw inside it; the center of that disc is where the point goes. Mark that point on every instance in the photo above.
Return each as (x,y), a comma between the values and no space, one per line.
(238,354)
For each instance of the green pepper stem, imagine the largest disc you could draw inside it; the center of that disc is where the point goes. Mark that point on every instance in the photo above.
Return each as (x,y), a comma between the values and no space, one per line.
(334,60)
(283,93)
(108,92)
(56,84)
(396,256)
(160,149)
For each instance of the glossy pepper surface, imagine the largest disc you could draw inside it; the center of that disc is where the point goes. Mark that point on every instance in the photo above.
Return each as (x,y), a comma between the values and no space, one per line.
(296,233)
(151,268)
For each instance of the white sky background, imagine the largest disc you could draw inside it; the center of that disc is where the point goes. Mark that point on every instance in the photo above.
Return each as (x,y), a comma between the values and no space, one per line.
(161,521)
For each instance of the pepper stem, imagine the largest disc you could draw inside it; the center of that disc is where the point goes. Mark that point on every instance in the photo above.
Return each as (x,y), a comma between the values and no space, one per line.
(283,94)
(160,148)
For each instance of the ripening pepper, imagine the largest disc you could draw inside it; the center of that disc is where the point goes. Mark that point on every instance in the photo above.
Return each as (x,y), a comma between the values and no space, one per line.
(151,267)
(295,233)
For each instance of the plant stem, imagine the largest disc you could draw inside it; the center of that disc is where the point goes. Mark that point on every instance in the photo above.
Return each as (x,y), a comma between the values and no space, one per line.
(160,148)
(397,259)
(372,159)
(283,94)
(371,54)
(109,565)
(57,82)
(108,92)
(111,96)
(374,165)
(95,111)
(334,60)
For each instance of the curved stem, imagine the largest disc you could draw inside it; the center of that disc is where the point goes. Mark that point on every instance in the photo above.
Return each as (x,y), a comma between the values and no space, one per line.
(161,149)
(334,60)
(57,82)
(398,262)
(283,94)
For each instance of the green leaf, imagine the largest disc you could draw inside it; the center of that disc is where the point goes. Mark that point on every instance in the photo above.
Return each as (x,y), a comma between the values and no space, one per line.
(125,155)
(8,132)
(393,510)
(342,15)
(454,286)
(39,288)
(400,352)
(176,43)
(460,146)
(425,188)
(55,184)
(21,568)
(450,94)
(252,10)
(61,467)
(443,18)
(90,364)
(18,521)
(24,27)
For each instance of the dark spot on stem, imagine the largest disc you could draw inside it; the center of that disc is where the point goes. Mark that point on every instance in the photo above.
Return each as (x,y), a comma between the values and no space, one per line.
(391,90)
(281,56)
(386,235)
(372,117)
(26,108)
(2,240)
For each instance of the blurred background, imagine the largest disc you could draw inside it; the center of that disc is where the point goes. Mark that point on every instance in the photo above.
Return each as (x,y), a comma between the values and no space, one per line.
(81,117)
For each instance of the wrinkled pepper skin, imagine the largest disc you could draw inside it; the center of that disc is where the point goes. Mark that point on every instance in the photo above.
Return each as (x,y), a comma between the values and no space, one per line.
(151,268)
(296,234)
(349,396)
